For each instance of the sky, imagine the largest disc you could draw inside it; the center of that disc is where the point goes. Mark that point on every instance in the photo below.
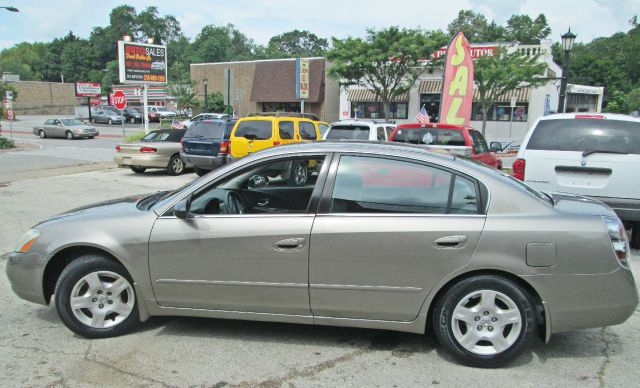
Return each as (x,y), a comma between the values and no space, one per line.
(43,20)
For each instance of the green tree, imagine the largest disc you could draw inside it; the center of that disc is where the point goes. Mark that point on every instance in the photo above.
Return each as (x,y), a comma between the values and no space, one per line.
(161,29)
(633,99)
(295,44)
(523,29)
(24,59)
(215,102)
(77,61)
(472,24)
(505,71)
(220,44)
(388,61)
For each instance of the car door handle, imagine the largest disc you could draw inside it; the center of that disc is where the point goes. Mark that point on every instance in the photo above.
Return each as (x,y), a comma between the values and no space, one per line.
(289,244)
(450,241)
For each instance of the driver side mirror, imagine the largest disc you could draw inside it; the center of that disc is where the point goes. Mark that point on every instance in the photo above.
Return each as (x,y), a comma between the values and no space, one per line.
(181,209)
(495,146)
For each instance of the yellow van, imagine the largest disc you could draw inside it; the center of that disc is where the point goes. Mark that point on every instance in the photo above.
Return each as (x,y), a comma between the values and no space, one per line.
(255,133)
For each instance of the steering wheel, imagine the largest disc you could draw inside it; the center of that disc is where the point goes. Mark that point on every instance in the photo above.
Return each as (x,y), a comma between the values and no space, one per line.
(235,203)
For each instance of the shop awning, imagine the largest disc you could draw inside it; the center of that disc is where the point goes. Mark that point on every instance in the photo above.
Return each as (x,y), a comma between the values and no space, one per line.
(434,86)
(368,95)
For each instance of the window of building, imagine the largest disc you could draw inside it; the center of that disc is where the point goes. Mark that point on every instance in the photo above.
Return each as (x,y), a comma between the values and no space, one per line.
(431,103)
(501,111)
(286,130)
(281,107)
(375,110)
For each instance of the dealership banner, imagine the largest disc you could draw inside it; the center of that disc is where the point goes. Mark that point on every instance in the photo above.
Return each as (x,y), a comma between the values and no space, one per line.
(142,63)
(457,88)
(88,89)
(302,78)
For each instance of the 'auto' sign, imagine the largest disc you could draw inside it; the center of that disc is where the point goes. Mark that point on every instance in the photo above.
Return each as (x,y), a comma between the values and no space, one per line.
(142,63)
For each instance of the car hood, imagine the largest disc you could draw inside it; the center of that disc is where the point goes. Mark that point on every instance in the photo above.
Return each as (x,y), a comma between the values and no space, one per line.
(100,209)
(578,204)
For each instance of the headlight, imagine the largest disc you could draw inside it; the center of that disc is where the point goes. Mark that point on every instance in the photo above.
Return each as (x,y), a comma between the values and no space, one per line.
(27,240)
(77,130)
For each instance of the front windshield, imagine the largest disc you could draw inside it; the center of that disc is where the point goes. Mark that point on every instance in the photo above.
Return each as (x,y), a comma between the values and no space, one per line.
(71,122)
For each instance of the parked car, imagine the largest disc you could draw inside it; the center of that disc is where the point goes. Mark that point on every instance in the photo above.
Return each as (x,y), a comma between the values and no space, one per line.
(106,116)
(202,116)
(359,129)
(455,138)
(160,112)
(597,155)
(383,236)
(69,128)
(132,115)
(205,145)
(255,133)
(158,149)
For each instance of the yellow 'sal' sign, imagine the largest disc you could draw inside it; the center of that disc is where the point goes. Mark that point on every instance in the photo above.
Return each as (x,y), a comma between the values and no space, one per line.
(457,89)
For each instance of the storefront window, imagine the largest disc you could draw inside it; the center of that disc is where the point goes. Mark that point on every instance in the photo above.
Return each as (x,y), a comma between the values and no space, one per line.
(501,111)
(375,110)
(431,103)
(281,107)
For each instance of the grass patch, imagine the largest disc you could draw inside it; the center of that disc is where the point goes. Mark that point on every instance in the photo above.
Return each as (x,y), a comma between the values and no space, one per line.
(6,143)
(134,137)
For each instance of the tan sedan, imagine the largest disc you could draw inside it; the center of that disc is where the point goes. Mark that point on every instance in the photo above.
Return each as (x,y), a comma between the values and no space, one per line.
(158,149)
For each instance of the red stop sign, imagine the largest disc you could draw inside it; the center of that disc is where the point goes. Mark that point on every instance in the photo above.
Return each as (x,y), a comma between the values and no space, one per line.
(119,100)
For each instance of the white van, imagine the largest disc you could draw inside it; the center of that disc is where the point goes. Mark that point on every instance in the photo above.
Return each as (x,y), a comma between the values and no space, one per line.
(359,129)
(597,155)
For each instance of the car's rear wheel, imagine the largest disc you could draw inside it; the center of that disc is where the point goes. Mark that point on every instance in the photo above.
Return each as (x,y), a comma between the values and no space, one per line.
(635,235)
(42,134)
(138,169)
(69,135)
(484,321)
(176,165)
(200,172)
(95,298)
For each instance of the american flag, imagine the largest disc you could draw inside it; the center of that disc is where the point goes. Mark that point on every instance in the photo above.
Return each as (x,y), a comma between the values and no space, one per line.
(423,116)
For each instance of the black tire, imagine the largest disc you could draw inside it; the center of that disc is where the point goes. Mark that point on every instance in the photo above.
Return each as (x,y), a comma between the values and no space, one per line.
(92,120)
(132,120)
(69,135)
(110,122)
(176,165)
(42,134)
(448,302)
(73,275)
(138,169)
(299,173)
(200,171)
(635,235)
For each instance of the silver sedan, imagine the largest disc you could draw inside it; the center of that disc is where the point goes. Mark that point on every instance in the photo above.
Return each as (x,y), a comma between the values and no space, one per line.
(69,128)
(380,236)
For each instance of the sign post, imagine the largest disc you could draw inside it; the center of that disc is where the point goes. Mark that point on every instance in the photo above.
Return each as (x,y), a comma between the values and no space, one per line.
(10,115)
(88,89)
(302,81)
(120,102)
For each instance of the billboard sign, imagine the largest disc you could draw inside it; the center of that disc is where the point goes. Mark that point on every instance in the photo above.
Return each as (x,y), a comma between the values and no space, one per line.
(88,89)
(457,88)
(142,63)
(302,78)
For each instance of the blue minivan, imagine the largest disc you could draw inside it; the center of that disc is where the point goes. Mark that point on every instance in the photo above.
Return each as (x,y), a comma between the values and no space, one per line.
(205,145)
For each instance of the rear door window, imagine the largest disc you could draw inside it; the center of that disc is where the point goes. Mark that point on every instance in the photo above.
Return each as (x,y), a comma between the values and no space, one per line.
(175,135)
(307,130)
(286,130)
(586,135)
(430,136)
(380,133)
(348,132)
(207,129)
(254,129)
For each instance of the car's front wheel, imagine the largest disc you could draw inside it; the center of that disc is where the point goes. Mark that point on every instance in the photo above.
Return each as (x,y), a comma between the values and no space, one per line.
(132,120)
(484,321)
(95,298)
(110,122)
(69,135)
(42,134)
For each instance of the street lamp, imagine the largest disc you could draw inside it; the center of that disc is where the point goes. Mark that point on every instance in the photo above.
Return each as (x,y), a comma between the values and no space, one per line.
(206,103)
(567,44)
(12,9)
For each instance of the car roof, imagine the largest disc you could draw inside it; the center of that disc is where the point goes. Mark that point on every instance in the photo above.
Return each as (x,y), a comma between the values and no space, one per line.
(367,122)
(434,125)
(590,115)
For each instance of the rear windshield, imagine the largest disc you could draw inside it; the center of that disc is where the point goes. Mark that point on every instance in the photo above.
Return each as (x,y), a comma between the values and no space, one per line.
(254,129)
(432,136)
(355,132)
(586,135)
(208,129)
(168,135)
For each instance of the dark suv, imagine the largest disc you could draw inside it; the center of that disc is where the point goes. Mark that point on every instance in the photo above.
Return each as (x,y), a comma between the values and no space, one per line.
(206,144)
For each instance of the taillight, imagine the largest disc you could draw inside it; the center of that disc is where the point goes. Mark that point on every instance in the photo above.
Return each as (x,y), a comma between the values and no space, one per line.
(518,169)
(276,143)
(117,148)
(619,241)
(224,147)
(148,149)
(599,117)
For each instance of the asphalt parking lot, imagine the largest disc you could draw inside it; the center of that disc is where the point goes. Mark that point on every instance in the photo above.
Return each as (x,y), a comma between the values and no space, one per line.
(36,349)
